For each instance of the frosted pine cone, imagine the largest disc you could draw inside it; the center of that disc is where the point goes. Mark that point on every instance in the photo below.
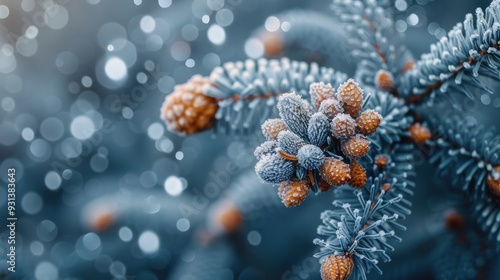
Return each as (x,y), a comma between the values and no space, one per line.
(337,267)
(356,147)
(274,169)
(493,182)
(331,108)
(384,80)
(266,148)
(187,110)
(368,122)
(289,142)
(320,92)
(295,112)
(318,129)
(294,192)
(350,96)
(343,126)
(419,134)
(335,172)
(310,157)
(358,175)
(272,127)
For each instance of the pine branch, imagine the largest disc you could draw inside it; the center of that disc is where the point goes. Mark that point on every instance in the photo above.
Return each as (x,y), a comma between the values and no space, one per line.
(374,40)
(469,155)
(239,96)
(456,62)
(307,35)
(365,219)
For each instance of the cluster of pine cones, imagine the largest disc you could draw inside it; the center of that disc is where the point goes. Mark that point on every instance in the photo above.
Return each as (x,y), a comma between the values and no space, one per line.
(316,146)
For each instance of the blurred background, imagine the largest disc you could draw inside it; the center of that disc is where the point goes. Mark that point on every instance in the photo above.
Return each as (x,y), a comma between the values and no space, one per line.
(104,191)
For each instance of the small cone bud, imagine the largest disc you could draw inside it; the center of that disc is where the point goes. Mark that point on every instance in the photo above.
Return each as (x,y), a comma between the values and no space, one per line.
(356,147)
(335,172)
(187,110)
(273,44)
(358,175)
(272,127)
(320,92)
(330,108)
(337,267)
(343,126)
(351,97)
(419,134)
(368,122)
(381,161)
(493,182)
(384,80)
(454,221)
(293,192)
(230,219)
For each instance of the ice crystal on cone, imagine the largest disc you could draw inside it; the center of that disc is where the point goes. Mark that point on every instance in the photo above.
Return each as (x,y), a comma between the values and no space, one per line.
(310,157)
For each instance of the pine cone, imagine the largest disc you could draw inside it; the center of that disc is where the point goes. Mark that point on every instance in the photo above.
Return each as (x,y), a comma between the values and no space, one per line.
(351,97)
(419,134)
(384,80)
(331,108)
(368,122)
(343,126)
(381,161)
(493,183)
(335,171)
(356,147)
(293,192)
(272,127)
(187,110)
(337,267)
(320,92)
(358,175)
(273,44)
(323,185)
(230,219)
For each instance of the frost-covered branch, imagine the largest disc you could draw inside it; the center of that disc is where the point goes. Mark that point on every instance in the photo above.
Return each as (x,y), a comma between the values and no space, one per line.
(457,61)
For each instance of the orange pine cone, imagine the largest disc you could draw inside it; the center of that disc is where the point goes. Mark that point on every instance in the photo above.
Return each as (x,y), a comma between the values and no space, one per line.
(356,147)
(358,175)
(320,92)
(272,127)
(408,66)
(337,267)
(187,110)
(273,44)
(368,122)
(293,192)
(351,97)
(384,80)
(230,219)
(335,172)
(381,161)
(492,184)
(454,221)
(418,133)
